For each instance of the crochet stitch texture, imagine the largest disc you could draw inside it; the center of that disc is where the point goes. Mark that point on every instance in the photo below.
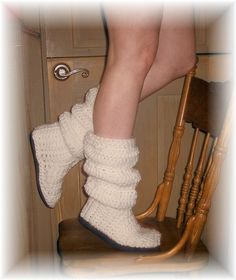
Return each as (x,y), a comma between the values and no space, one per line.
(111,186)
(59,146)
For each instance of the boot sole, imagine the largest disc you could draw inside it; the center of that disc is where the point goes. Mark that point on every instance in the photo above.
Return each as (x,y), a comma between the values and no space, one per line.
(36,164)
(113,243)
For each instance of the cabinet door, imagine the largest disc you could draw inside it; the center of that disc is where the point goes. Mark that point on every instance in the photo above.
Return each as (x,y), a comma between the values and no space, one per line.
(74,31)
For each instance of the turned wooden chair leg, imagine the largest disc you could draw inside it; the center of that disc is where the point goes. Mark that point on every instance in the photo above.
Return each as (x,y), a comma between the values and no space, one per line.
(187,181)
(174,149)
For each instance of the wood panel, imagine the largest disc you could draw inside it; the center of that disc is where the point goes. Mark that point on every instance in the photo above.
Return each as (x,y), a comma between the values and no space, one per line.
(146,134)
(64,94)
(73,31)
(41,242)
(212,101)
(89,29)
(215,67)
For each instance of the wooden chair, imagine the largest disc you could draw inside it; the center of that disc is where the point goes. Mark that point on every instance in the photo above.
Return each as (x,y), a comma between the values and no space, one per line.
(82,253)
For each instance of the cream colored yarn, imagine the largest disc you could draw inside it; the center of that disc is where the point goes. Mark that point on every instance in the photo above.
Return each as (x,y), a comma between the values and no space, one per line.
(59,146)
(74,125)
(111,188)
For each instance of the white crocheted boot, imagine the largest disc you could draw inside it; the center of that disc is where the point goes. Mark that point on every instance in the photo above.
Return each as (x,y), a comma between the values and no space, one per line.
(59,146)
(111,187)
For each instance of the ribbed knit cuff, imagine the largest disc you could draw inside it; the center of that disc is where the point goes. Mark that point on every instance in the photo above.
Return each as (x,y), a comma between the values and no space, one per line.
(111,194)
(75,125)
(109,164)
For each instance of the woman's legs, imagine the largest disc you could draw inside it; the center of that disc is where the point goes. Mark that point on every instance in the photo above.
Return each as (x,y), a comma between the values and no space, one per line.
(168,30)
(176,50)
(133,45)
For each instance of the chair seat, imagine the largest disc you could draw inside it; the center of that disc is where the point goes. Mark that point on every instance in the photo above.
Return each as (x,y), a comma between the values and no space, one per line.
(83,253)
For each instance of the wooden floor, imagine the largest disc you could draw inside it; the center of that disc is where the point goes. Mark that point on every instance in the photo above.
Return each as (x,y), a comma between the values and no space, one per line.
(82,253)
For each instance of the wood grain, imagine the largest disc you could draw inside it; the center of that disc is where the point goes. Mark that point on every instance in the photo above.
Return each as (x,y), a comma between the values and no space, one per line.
(207,104)
(75,31)
(183,200)
(40,216)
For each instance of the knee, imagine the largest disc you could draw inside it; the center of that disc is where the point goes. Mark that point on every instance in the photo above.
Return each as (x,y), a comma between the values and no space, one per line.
(137,58)
(145,57)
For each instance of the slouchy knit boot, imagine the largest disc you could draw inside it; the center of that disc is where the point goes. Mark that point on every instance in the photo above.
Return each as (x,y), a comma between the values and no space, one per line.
(111,187)
(58,147)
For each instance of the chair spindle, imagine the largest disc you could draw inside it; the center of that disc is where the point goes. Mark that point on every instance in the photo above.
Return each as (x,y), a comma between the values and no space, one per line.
(174,149)
(187,181)
(206,170)
(197,179)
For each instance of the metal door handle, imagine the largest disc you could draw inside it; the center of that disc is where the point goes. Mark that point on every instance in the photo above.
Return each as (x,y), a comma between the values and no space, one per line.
(62,72)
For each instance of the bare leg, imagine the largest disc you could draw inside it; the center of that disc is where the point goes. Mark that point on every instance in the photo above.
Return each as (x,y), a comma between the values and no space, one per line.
(133,72)
(133,46)
(176,50)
